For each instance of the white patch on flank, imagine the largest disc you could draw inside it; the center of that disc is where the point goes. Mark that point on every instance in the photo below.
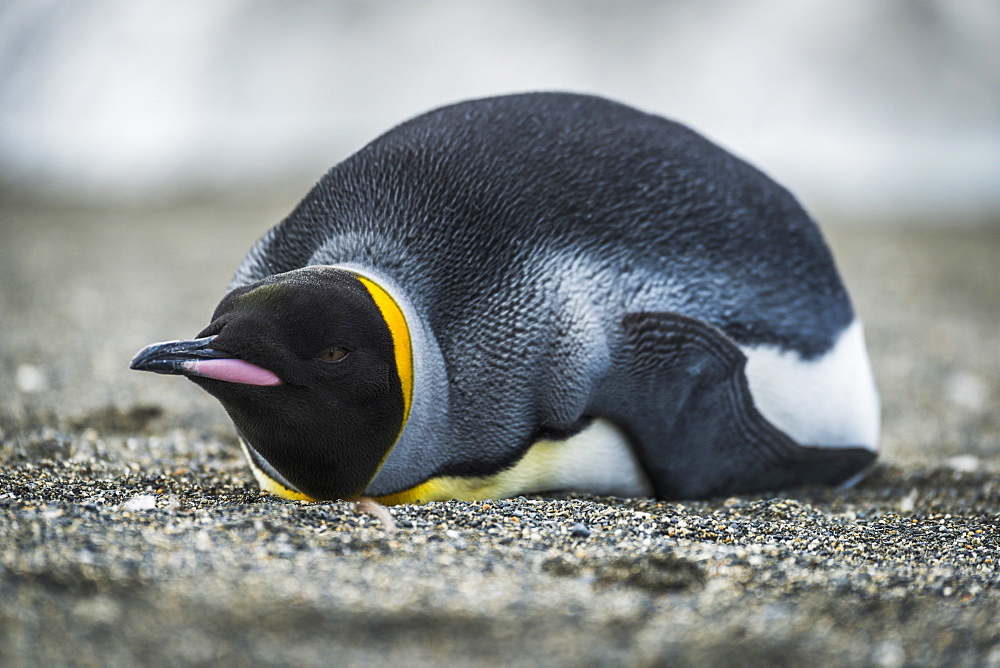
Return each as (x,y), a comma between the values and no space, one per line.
(829,401)
(598,460)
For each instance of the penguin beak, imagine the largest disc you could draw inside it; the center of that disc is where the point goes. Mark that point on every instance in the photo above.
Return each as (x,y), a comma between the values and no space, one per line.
(198,358)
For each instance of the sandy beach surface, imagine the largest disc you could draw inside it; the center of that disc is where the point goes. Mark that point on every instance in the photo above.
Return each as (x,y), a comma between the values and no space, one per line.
(131,531)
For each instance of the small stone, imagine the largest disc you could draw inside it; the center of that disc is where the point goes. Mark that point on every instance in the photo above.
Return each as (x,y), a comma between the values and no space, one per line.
(140,502)
(908,502)
(98,610)
(580,530)
(967,390)
(993,657)
(963,463)
(30,379)
(889,654)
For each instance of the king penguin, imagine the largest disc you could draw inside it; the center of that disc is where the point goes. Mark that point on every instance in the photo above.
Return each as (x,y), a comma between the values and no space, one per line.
(538,292)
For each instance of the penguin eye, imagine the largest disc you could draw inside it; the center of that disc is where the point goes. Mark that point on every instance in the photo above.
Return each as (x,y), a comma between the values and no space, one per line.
(333,354)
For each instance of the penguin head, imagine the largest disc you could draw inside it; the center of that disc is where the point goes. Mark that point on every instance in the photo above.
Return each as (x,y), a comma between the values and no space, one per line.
(313,366)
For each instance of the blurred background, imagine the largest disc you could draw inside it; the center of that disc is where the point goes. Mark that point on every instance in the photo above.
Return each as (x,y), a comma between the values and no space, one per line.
(861,108)
(144,146)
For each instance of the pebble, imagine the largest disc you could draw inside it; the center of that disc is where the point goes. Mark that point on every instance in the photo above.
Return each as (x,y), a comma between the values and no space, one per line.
(964,463)
(968,391)
(30,379)
(140,502)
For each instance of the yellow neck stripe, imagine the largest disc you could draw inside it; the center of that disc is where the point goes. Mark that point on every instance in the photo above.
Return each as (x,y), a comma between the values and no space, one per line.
(269,484)
(401,345)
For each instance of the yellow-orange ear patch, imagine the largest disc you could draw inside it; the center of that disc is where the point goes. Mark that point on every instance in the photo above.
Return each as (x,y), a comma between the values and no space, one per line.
(400,332)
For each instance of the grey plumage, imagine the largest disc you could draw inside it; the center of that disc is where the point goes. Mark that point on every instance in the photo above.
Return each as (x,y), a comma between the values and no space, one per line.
(561,258)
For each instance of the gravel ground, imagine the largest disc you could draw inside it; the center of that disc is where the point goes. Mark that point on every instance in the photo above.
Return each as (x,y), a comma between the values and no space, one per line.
(130,530)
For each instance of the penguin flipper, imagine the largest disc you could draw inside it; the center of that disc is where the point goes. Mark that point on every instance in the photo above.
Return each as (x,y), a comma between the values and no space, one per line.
(677,386)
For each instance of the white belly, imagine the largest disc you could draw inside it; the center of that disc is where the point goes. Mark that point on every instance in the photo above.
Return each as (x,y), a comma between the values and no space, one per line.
(598,460)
